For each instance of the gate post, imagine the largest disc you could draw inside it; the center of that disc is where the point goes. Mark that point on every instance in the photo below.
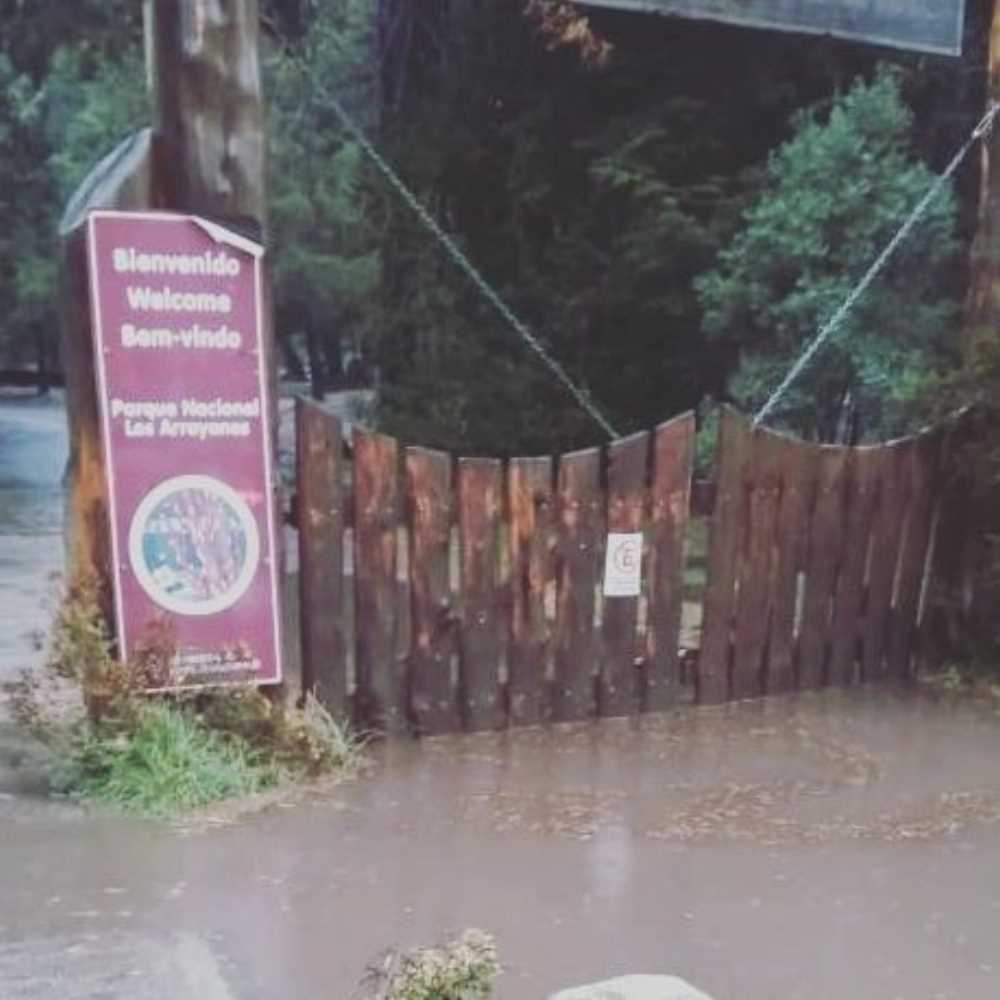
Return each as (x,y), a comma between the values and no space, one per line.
(204,155)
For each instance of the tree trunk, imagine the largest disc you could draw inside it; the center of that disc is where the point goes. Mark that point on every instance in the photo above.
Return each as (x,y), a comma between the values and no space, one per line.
(204,156)
(123,180)
(982,312)
(207,107)
(966,562)
(317,375)
(42,363)
(296,370)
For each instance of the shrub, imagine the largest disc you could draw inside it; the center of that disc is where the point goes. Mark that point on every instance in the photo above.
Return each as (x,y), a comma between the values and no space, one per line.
(832,197)
(307,740)
(160,754)
(166,761)
(462,969)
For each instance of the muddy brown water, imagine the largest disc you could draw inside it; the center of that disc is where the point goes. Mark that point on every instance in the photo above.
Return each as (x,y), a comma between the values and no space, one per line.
(823,847)
(820,847)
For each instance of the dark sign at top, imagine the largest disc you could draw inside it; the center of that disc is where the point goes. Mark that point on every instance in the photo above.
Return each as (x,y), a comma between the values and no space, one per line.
(924,25)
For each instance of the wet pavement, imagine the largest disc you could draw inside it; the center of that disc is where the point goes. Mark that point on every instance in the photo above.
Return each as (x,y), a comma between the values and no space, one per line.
(33,449)
(819,847)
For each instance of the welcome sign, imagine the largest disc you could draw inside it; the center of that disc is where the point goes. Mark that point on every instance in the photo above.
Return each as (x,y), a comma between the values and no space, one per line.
(923,25)
(176,304)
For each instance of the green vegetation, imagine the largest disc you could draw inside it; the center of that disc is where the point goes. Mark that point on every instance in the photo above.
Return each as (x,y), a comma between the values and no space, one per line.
(158,756)
(629,186)
(673,207)
(462,969)
(164,761)
(327,260)
(64,100)
(162,758)
(833,197)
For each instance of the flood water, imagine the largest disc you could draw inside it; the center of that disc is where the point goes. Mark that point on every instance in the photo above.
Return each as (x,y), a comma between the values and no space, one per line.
(816,847)
(806,848)
(33,447)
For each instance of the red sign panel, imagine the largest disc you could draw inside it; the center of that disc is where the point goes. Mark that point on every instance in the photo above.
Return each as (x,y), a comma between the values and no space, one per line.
(184,399)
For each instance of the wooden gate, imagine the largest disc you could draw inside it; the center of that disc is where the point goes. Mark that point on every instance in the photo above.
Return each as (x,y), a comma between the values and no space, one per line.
(439,595)
(818,561)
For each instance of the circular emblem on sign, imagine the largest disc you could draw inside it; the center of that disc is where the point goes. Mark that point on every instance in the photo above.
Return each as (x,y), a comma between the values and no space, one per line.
(194,545)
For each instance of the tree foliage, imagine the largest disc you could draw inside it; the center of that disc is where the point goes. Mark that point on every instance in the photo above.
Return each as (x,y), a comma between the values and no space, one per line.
(27,271)
(590,197)
(327,260)
(591,168)
(64,101)
(832,198)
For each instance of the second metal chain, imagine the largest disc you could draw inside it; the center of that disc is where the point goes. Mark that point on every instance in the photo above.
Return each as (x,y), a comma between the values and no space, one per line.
(833,323)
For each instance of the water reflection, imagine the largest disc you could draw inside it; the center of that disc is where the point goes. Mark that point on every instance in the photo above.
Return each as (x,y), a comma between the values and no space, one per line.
(695,842)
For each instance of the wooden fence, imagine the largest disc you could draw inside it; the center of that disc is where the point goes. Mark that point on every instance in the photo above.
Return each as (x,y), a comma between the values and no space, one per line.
(439,595)
(818,562)
(476,598)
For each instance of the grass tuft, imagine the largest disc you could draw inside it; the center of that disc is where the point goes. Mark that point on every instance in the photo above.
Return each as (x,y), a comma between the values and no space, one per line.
(163,755)
(168,763)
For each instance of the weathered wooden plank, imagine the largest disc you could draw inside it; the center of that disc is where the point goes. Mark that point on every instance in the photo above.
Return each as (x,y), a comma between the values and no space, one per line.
(894,482)
(702,497)
(863,467)
(580,516)
(319,460)
(762,486)
(823,559)
(798,473)
(913,557)
(725,544)
(380,699)
(404,610)
(958,550)
(531,537)
(618,684)
(673,456)
(480,482)
(433,701)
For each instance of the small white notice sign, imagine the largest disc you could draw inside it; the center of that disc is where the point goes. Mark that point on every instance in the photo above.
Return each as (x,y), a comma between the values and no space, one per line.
(623,565)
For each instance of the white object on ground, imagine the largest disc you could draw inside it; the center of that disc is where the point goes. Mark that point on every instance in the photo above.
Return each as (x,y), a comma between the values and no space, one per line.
(634,988)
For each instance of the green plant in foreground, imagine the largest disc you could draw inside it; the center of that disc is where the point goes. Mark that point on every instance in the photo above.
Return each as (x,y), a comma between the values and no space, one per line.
(462,969)
(160,758)
(832,197)
(168,761)
(305,741)
(160,755)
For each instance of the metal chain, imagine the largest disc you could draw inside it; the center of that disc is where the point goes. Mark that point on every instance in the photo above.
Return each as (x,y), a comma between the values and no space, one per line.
(981,130)
(463,262)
